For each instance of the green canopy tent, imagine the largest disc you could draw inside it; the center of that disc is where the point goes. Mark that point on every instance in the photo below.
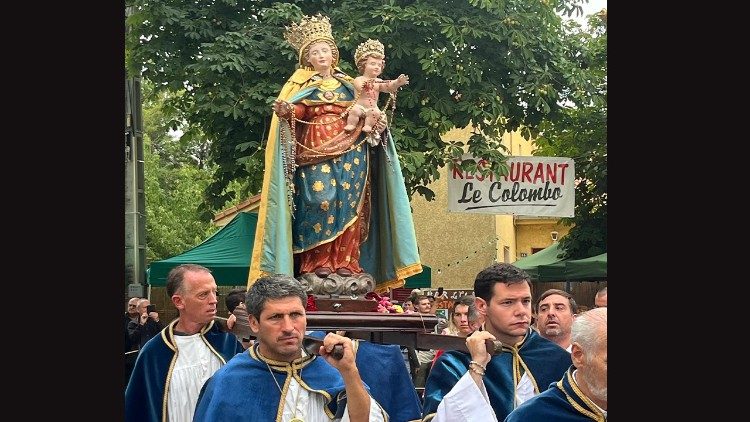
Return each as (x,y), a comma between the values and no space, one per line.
(546,266)
(532,262)
(418,281)
(226,253)
(591,267)
(551,272)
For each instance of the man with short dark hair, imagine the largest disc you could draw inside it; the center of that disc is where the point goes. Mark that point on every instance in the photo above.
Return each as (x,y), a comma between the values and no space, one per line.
(315,388)
(556,311)
(172,367)
(581,394)
(477,386)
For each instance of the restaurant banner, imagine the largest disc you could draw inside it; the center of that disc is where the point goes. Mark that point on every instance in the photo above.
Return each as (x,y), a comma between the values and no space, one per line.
(535,186)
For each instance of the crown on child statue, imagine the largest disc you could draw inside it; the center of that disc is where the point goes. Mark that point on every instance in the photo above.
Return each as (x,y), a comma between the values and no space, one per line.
(368,47)
(309,29)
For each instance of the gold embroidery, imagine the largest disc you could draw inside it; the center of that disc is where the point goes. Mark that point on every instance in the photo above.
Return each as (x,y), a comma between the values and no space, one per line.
(348,258)
(345,185)
(302,175)
(317,227)
(325,168)
(330,219)
(359,149)
(356,160)
(333,182)
(347,166)
(328,232)
(324,205)
(598,415)
(317,186)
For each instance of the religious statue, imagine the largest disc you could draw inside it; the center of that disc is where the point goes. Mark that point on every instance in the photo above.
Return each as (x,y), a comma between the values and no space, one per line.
(334,211)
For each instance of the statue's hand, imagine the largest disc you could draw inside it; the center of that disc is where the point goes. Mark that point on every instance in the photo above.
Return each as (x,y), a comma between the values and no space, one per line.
(282,108)
(402,79)
(381,124)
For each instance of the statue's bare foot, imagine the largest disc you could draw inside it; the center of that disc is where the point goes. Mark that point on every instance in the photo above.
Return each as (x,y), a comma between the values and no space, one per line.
(349,128)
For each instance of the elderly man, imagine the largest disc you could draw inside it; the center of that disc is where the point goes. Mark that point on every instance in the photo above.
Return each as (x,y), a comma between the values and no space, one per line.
(131,350)
(581,394)
(145,327)
(556,311)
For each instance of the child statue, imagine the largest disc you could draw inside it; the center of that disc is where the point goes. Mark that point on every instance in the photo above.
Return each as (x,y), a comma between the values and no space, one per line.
(370,60)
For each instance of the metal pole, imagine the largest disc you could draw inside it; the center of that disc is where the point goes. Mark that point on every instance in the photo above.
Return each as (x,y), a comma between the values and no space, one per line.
(135,198)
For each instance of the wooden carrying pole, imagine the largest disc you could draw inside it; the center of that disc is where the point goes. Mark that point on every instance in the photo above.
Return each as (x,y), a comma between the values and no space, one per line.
(410,330)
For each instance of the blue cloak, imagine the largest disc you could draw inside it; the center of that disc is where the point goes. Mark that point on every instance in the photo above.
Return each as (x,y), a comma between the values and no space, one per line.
(543,360)
(562,402)
(147,392)
(243,390)
(382,368)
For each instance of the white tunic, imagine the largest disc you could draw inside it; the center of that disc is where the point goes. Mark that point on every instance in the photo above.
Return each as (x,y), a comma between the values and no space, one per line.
(195,364)
(467,402)
(310,406)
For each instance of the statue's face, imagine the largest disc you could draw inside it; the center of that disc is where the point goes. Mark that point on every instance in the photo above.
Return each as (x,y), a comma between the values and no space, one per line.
(373,67)
(320,56)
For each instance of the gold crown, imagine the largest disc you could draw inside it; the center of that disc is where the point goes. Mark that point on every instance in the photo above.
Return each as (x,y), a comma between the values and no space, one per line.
(368,47)
(309,29)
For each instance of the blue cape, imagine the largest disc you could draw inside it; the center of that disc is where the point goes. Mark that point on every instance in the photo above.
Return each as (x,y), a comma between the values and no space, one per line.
(556,404)
(544,361)
(244,390)
(146,393)
(382,368)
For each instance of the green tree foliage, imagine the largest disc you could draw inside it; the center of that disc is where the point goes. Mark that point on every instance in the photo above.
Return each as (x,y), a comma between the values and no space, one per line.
(581,132)
(176,176)
(499,64)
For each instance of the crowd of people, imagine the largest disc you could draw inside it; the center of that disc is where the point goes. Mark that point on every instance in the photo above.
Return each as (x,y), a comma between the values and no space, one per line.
(321,180)
(192,370)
